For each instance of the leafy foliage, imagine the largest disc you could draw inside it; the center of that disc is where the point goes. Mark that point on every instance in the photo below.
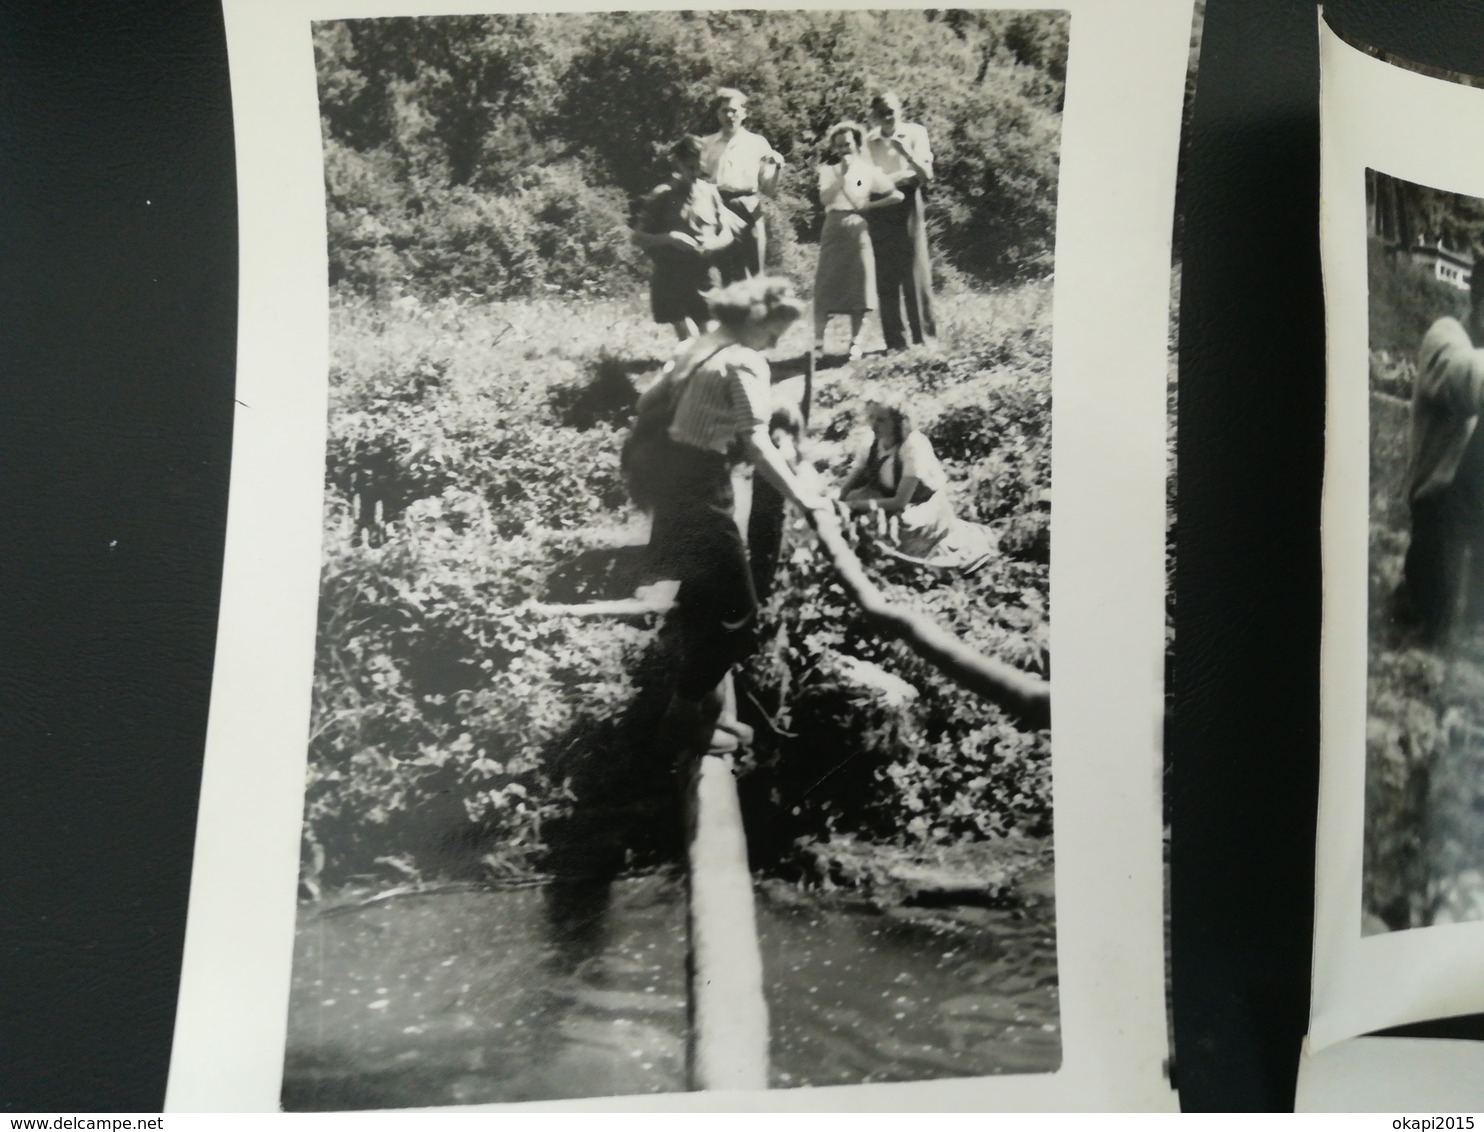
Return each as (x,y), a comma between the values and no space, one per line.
(451,723)
(1404,301)
(495,155)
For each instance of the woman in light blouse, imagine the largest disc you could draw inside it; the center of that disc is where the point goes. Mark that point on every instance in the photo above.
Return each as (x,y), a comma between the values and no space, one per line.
(849,186)
(719,386)
(900,476)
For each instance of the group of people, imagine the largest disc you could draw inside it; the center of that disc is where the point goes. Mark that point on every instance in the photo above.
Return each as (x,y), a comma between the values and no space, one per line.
(705,229)
(712,406)
(710,216)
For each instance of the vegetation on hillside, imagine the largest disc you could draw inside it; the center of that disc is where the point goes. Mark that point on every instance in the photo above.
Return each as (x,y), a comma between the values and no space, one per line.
(453,727)
(489,332)
(496,156)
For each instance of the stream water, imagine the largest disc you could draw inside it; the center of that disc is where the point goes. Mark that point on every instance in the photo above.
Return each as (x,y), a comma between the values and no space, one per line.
(468,997)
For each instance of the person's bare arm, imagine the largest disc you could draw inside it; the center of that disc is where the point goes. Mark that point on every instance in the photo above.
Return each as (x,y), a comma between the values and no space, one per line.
(769,461)
(892,504)
(920,167)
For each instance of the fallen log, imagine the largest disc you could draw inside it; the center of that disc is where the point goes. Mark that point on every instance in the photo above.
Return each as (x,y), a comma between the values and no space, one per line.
(619,607)
(1024,696)
(727,1044)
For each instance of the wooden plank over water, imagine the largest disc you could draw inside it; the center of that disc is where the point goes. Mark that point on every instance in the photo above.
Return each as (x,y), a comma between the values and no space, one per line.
(727,1046)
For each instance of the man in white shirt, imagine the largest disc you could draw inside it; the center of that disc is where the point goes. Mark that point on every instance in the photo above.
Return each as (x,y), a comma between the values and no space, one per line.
(745,168)
(900,149)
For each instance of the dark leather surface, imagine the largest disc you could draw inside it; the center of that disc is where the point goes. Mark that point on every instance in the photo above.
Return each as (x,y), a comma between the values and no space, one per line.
(117,335)
(1243,740)
(117,324)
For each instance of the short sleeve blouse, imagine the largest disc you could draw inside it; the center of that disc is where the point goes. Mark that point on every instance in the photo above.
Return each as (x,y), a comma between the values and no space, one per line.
(919,460)
(725,398)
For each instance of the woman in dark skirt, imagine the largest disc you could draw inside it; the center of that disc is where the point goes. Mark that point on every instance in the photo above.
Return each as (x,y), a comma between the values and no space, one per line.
(682,224)
(849,187)
(721,391)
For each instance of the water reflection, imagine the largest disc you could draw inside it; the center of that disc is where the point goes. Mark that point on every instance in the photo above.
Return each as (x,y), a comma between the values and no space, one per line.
(466,997)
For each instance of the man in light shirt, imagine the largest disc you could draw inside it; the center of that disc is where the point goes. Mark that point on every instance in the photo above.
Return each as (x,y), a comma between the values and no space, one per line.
(900,149)
(745,168)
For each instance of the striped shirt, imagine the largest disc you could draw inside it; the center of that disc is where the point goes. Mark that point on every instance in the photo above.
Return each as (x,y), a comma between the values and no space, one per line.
(724,399)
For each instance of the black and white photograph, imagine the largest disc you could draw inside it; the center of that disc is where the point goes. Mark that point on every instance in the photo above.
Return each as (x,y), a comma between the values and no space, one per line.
(1424,804)
(681,711)
(1398,890)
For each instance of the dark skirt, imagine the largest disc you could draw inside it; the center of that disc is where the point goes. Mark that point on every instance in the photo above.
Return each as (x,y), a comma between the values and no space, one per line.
(676,285)
(694,538)
(845,281)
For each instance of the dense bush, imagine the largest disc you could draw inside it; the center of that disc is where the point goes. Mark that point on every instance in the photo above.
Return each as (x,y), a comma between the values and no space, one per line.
(551,231)
(440,706)
(938,766)
(496,155)
(452,724)
(400,436)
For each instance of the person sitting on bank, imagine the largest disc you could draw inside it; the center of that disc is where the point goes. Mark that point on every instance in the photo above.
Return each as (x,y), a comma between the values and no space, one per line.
(721,390)
(1445,483)
(745,168)
(683,225)
(899,475)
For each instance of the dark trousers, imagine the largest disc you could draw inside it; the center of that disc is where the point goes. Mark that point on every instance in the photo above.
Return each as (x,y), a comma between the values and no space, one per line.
(1445,561)
(891,241)
(694,538)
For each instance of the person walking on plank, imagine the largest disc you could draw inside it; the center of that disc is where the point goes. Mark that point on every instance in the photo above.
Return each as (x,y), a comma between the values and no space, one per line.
(721,391)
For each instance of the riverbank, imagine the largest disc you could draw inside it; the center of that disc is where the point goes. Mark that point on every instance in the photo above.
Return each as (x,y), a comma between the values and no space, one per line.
(472,471)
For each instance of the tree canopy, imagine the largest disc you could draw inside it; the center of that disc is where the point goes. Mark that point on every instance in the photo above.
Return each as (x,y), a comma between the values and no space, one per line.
(498,154)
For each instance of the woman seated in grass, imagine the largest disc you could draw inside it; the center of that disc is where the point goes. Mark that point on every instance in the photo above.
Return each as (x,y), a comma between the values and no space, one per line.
(720,389)
(682,224)
(900,476)
(849,187)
